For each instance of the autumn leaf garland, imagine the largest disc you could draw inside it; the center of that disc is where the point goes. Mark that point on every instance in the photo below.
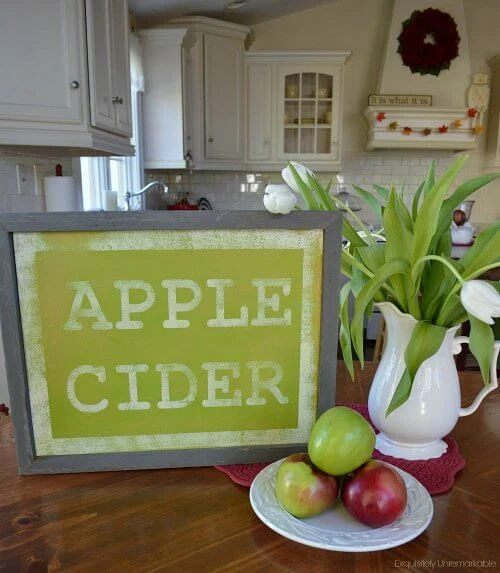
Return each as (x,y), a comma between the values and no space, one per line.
(393,125)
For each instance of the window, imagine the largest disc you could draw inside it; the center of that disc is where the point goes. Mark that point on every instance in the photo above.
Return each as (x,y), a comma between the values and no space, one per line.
(106,180)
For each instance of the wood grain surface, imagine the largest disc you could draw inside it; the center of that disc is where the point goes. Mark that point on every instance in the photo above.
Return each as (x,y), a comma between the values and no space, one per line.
(198,520)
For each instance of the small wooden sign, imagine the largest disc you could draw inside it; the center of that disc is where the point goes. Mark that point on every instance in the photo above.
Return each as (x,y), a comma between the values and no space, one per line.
(147,340)
(400,100)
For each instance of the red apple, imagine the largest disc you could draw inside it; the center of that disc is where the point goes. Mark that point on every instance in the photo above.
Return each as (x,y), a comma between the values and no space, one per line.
(302,489)
(375,494)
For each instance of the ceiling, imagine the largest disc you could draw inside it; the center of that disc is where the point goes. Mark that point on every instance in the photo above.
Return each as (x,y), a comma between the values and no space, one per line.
(155,12)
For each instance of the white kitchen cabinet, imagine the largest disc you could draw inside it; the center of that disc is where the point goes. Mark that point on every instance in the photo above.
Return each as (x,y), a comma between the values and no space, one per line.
(224,100)
(162,102)
(107,31)
(303,93)
(260,111)
(194,73)
(37,77)
(53,92)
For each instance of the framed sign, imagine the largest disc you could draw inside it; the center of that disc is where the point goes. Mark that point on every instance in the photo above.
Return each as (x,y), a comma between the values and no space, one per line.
(150,340)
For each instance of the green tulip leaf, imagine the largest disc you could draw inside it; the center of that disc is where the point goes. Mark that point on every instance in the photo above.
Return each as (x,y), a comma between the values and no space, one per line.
(366,296)
(373,256)
(462,193)
(425,341)
(344,331)
(481,342)
(382,191)
(345,267)
(306,193)
(370,200)
(397,247)
(321,195)
(358,281)
(437,282)
(403,213)
(427,219)
(485,250)
(351,235)
(416,200)
(430,180)
(450,311)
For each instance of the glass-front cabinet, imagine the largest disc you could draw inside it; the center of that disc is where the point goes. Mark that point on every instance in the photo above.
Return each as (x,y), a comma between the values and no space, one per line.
(304,91)
(307,126)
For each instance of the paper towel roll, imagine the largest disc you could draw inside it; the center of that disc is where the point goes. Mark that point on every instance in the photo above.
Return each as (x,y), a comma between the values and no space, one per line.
(110,200)
(60,194)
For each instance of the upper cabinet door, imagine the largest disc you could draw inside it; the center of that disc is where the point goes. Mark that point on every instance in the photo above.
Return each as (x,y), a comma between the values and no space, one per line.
(102,108)
(121,66)
(224,102)
(259,116)
(109,75)
(40,71)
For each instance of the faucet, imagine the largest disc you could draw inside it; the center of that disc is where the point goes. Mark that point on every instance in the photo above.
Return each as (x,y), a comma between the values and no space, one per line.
(129,195)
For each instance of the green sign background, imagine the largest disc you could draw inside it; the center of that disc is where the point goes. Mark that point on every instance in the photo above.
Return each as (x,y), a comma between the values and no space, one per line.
(50,262)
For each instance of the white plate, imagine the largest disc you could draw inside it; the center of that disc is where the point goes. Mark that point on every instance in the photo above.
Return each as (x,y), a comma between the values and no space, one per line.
(335,529)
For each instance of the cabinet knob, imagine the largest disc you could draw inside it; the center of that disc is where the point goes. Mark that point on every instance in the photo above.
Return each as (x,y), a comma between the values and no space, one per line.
(117,99)
(210,140)
(74,85)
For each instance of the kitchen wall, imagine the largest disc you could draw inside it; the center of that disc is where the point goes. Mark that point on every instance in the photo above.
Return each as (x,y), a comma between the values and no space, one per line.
(362,27)
(11,201)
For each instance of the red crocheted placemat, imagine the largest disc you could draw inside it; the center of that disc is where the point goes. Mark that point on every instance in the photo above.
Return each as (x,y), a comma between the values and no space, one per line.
(436,475)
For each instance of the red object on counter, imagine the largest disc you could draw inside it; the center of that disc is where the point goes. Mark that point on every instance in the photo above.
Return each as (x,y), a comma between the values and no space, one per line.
(183,205)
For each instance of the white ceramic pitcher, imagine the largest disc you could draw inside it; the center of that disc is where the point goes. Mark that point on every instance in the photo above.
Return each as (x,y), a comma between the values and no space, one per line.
(414,431)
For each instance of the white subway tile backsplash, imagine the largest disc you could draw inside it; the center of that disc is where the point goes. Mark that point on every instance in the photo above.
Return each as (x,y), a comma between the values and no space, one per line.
(398,170)
(244,190)
(375,160)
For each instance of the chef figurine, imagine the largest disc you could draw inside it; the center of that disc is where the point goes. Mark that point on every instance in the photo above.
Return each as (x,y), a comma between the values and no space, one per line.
(478,96)
(462,231)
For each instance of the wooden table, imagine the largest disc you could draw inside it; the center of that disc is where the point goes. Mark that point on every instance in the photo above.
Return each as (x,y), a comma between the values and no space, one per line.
(198,520)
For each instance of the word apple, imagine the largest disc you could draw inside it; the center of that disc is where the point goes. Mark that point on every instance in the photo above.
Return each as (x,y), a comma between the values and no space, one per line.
(302,489)
(375,494)
(341,440)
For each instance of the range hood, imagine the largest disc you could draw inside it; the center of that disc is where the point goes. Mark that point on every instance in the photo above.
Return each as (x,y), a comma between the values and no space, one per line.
(443,125)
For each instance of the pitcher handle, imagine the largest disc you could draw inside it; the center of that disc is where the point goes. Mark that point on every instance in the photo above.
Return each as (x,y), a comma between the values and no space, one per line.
(457,347)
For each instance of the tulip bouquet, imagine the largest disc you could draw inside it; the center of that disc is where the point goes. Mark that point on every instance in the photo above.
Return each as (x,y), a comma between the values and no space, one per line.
(407,262)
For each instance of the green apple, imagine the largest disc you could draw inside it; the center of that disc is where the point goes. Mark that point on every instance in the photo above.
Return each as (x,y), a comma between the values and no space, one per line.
(302,489)
(341,440)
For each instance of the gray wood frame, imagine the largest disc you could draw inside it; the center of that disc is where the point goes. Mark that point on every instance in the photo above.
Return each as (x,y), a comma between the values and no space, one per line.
(28,462)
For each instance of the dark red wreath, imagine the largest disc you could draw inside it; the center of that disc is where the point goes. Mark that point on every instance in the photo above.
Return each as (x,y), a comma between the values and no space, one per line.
(429,41)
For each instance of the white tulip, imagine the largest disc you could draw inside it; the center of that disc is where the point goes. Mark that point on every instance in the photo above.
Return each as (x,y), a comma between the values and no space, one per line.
(279,199)
(290,179)
(481,300)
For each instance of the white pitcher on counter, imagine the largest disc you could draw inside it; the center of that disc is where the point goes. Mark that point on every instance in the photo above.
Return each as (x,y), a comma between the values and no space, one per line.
(415,430)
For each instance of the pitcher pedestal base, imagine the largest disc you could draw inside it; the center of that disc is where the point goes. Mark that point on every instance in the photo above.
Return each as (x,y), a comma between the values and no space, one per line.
(407,451)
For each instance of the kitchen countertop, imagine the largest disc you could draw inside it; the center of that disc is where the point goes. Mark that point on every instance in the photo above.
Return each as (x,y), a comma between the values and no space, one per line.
(198,520)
